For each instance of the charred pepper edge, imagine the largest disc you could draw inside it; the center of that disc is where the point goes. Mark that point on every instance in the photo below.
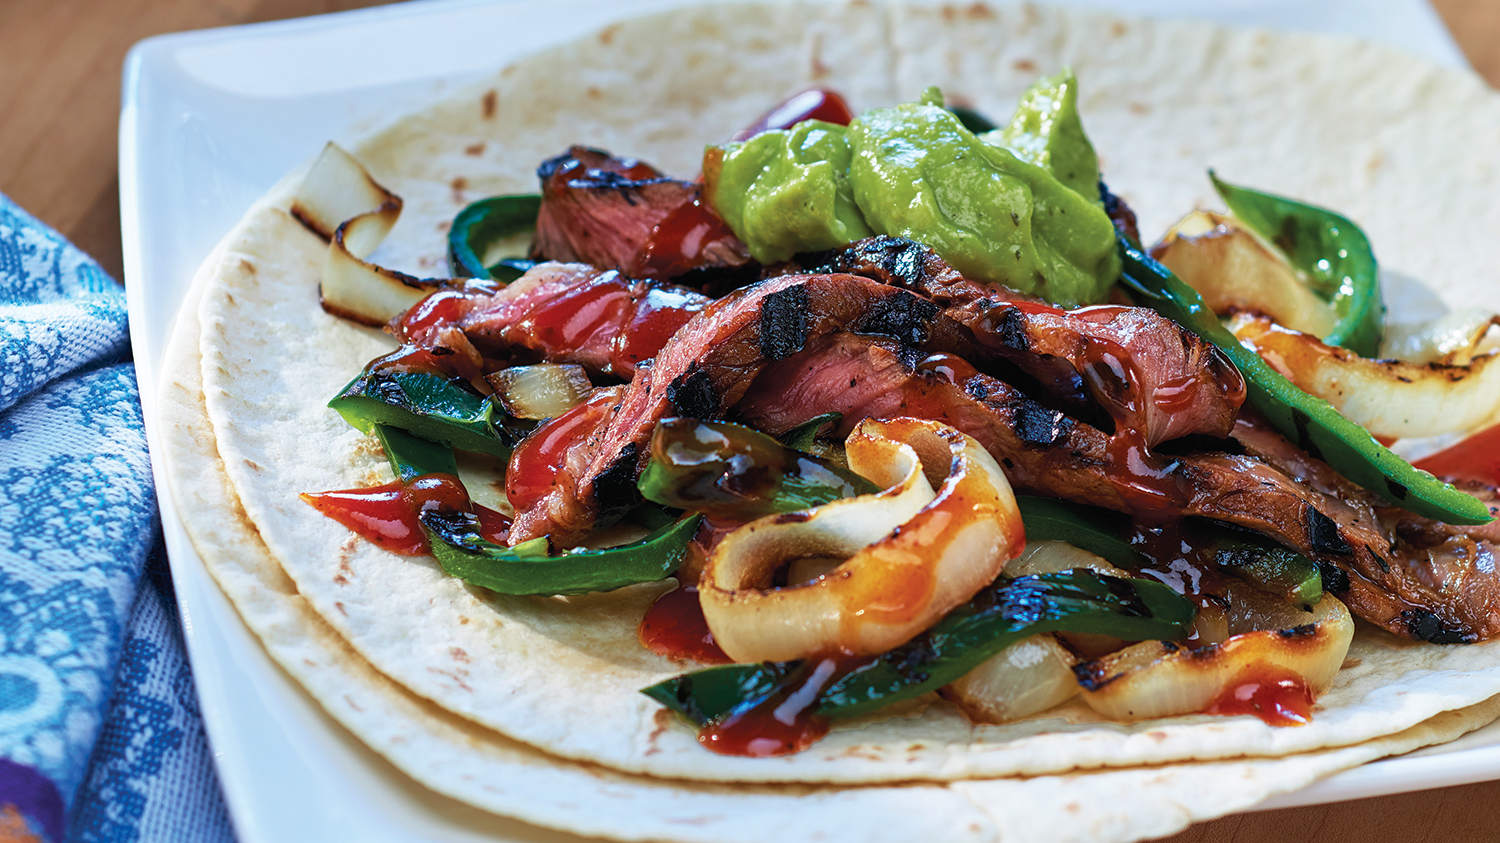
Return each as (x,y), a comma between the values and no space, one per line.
(1002,614)
(1310,423)
(427,404)
(527,568)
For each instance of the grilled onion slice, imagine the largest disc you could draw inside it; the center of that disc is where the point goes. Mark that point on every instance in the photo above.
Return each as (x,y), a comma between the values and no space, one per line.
(1161,678)
(1029,676)
(1390,398)
(1234,270)
(542,390)
(340,202)
(892,583)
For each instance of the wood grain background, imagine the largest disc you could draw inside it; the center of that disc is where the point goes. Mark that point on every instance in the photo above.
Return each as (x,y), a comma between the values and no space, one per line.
(60,63)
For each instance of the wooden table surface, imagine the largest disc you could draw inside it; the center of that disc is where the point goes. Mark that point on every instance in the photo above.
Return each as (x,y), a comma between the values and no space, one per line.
(60,66)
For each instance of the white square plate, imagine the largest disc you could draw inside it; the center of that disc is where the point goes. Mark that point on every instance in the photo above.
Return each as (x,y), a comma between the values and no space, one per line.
(212,119)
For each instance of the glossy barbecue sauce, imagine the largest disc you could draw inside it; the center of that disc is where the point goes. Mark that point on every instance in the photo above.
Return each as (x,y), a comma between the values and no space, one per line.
(674,627)
(537,461)
(816,104)
(681,241)
(387,515)
(1274,694)
(785,721)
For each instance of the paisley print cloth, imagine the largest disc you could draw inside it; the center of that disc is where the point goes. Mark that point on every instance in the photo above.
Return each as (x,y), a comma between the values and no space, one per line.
(100,736)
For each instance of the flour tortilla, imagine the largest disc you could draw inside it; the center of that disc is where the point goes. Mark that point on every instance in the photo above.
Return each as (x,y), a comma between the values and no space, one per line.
(1162,101)
(457,758)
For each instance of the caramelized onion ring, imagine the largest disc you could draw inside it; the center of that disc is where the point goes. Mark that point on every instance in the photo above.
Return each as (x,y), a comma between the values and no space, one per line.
(1390,398)
(340,202)
(1161,679)
(893,583)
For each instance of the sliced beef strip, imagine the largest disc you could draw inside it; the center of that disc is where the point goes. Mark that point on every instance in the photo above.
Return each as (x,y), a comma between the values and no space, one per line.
(1382,562)
(709,364)
(1110,357)
(905,263)
(1443,573)
(562,313)
(623,214)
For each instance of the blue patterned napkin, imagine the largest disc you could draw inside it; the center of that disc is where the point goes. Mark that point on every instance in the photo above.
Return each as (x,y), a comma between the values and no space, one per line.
(100,735)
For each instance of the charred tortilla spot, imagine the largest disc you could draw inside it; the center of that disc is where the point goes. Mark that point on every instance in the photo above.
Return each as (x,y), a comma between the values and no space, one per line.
(1335,579)
(693,395)
(783,322)
(1426,626)
(615,492)
(1037,425)
(902,316)
(1323,534)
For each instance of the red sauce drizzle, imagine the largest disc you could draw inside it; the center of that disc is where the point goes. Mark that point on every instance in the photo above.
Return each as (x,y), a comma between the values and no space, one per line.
(443,307)
(948,367)
(1274,694)
(816,104)
(678,242)
(784,722)
(657,317)
(1475,458)
(387,515)
(536,462)
(675,628)
(570,320)
(412,358)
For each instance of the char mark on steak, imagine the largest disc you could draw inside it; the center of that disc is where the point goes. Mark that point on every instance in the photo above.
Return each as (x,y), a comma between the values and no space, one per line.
(623,214)
(904,263)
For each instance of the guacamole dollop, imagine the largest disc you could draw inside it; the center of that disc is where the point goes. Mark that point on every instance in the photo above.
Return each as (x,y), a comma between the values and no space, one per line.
(784,192)
(1028,217)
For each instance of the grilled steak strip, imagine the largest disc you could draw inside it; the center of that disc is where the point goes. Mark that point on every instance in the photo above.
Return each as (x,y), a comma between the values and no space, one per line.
(1142,370)
(623,214)
(562,313)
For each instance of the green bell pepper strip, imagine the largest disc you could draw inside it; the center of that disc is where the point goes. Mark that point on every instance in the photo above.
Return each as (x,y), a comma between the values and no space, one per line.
(1311,423)
(1250,556)
(728,470)
(1000,615)
(527,568)
(1101,532)
(1261,562)
(481,224)
(1330,249)
(430,405)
